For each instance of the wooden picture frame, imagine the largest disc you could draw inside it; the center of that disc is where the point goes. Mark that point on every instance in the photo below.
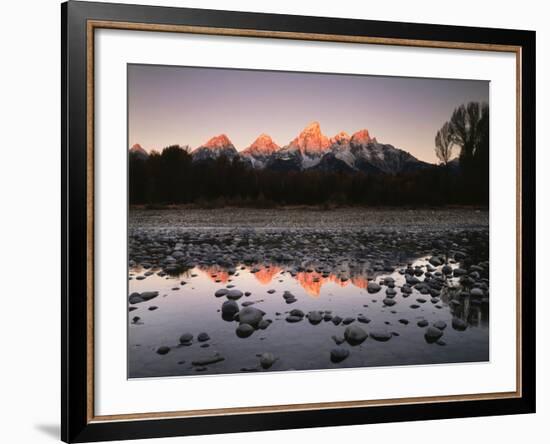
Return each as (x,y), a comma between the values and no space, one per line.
(79,22)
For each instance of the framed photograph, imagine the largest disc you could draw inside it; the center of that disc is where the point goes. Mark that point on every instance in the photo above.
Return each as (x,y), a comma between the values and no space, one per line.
(275,221)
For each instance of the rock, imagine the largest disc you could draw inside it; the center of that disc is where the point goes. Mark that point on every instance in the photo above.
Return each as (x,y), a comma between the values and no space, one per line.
(152,308)
(234,294)
(229,308)
(415,306)
(221,292)
(435,261)
(203,337)
(440,342)
(247,303)
(338,339)
(244,330)
(296,312)
(459,324)
(348,320)
(363,319)
(263,324)
(355,335)
(373,287)
(459,255)
(251,316)
(380,335)
(432,334)
(293,319)
(135,319)
(135,298)
(421,300)
(267,360)
(148,295)
(476,292)
(391,292)
(288,295)
(338,354)
(389,302)
(186,339)
(422,323)
(315,317)
(208,360)
(440,324)
(336,320)
(404,321)
(447,269)
(271,291)
(163,350)
(457,272)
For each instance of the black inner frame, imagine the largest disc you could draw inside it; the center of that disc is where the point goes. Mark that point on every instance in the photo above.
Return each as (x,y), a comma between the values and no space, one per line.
(74,423)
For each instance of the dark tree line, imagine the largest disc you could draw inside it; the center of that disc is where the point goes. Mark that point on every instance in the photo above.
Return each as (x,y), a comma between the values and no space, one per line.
(170,177)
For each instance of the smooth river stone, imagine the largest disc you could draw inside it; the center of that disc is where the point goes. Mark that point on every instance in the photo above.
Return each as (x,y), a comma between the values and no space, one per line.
(373,287)
(338,354)
(234,294)
(432,334)
(380,335)
(355,335)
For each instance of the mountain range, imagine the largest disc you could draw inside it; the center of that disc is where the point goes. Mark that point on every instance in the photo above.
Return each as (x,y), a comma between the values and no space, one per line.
(311,149)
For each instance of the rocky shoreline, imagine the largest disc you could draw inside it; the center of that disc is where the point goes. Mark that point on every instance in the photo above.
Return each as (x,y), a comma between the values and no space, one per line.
(427,273)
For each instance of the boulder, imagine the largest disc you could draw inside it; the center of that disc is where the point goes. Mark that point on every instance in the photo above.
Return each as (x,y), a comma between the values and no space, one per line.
(244,330)
(338,354)
(355,335)
(373,287)
(380,335)
(459,324)
(251,316)
(432,334)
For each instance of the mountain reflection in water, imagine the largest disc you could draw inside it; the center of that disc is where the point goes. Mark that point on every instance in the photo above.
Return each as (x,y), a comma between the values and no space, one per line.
(311,281)
(301,297)
(186,303)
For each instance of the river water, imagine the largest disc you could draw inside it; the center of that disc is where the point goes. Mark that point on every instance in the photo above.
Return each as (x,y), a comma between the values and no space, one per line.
(335,286)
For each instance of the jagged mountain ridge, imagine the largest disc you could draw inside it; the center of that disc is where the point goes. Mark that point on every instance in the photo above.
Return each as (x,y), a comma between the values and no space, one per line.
(260,151)
(138,150)
(214,148)
(311,149)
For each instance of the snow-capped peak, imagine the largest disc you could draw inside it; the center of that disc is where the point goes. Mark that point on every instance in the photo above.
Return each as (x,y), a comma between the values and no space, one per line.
(218,142)
(138,149)
(262,146)
(362,137)
(341,138)
(311,140)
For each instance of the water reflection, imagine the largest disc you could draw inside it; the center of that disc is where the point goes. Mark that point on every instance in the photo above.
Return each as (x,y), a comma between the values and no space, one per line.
(187,302)
(473,311)
(311,281)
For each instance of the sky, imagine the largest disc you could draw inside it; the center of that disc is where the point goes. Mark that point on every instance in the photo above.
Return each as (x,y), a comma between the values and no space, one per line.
(169,105)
